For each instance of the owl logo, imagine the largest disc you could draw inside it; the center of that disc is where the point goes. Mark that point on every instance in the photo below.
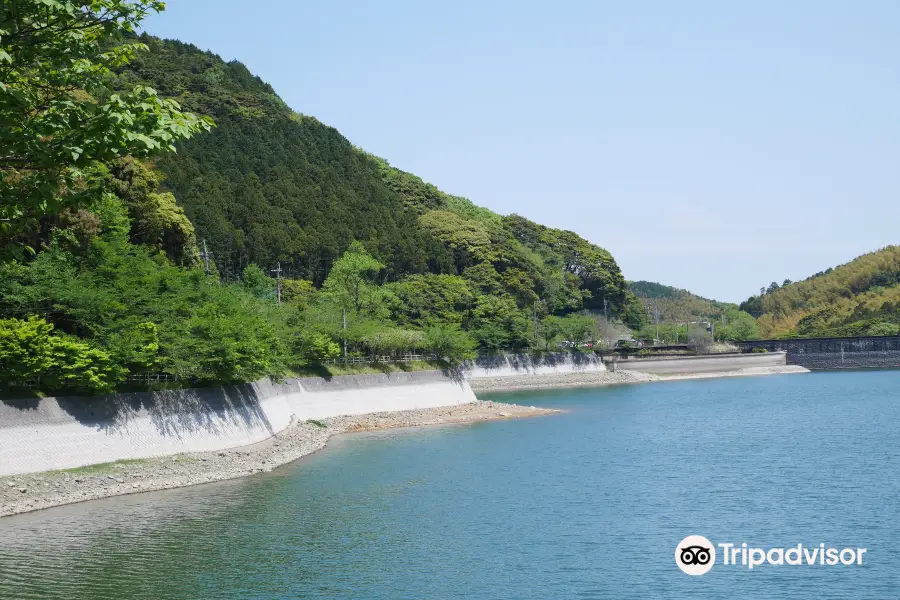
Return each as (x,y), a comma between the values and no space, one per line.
(695,555)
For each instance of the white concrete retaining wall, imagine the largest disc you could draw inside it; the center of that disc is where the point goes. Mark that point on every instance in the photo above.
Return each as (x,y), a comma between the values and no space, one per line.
(516,365)
(702,364)
(62,433)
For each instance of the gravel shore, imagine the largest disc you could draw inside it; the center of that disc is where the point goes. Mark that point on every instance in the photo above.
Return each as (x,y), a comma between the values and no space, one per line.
(562,380)
(25,493)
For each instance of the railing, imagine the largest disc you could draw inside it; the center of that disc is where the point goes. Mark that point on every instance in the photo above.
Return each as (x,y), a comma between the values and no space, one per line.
(360,360)
(154,377)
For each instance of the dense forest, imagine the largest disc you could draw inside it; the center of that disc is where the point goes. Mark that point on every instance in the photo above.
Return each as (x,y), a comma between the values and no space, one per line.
(141,234)
(679,312)
(861,297)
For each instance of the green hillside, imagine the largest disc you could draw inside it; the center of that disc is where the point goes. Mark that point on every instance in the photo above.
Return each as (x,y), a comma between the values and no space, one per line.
(268,185)
(677,308)
(861,297)
(374,260)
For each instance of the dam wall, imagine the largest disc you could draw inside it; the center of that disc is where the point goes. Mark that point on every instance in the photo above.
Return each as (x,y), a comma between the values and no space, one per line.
(62,433)
(835,353)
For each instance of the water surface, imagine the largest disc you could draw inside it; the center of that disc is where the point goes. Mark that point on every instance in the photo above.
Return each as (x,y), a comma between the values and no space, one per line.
(588,504)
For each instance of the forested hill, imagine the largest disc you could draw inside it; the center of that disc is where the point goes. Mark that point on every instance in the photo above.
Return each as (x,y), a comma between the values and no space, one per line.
(678,309)
(861,297)
(105,287)
(676,304)
(268,184)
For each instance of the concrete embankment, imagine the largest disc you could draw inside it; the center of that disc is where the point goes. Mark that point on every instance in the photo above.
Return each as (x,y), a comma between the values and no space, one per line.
(24,493)
(527,365)
(63,433)
(161,440)
(640,370)
(714,363)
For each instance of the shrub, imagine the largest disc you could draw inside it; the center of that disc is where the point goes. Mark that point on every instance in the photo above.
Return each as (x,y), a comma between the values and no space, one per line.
(31,355)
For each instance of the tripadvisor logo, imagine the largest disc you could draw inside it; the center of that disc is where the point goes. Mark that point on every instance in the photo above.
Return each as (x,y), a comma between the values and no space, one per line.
(696,555)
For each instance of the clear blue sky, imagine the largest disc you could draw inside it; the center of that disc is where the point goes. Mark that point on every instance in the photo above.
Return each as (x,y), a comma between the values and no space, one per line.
(715,146)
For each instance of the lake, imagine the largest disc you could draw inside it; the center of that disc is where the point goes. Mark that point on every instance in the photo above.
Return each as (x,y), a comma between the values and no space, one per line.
(587,504)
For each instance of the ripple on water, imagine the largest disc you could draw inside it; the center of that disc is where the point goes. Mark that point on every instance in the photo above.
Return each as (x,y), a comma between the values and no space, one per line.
(589,504)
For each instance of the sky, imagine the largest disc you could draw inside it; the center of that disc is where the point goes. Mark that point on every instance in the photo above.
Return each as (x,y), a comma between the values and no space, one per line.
(713,146)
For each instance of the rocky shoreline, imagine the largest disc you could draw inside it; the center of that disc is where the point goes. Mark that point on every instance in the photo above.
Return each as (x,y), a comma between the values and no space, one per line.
(25,493)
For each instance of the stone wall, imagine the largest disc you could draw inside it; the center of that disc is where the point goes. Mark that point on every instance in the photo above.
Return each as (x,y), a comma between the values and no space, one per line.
(836,353)
(61,433)
(846,360)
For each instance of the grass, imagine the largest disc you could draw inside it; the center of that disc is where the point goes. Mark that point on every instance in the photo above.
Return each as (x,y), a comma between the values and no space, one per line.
(317,423)
(100,468)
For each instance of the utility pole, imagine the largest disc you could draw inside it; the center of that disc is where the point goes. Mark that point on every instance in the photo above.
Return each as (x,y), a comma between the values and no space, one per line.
(205,256)
(277,271)
(656,314)
(344,316)
(605,304)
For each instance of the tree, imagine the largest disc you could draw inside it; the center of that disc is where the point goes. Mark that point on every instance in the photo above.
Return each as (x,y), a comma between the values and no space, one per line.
(468,239)
(548,333)
(421,299)
(297,291)
(57,117)
(30,355)
(883,328)
(579,328)
(498,324)
(351,280)
(313,346)
(633,313)
(449,342)
(256,282)
(156,218)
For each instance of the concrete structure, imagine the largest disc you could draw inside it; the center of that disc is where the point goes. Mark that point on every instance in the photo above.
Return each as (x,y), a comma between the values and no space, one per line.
(835,353)
(516,365)
(701,364)
(61,433)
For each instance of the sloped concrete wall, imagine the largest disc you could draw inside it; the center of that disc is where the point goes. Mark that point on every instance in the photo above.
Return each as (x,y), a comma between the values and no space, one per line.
(702,364)
(556,363)
(62,433)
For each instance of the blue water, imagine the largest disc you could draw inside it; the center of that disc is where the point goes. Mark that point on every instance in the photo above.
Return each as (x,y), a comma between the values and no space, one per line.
(586,504)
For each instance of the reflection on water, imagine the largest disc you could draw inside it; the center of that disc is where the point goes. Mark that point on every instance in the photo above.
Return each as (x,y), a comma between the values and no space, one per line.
(589,504)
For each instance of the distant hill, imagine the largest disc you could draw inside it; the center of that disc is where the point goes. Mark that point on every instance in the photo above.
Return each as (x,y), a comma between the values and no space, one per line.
(678,308)
(675,304)
(861,297)
(269,185)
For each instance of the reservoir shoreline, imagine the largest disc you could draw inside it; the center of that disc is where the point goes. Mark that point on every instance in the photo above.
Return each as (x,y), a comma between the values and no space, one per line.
(38,491)
(413,400)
